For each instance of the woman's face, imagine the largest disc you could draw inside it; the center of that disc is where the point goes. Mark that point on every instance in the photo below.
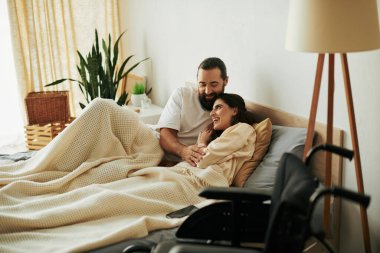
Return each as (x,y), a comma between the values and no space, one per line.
(222,115)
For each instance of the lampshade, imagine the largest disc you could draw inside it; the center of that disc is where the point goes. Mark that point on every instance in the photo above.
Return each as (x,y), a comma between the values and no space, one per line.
(332,26)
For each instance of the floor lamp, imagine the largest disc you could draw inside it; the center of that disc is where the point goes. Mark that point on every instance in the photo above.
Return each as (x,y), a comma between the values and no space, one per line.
(334,27)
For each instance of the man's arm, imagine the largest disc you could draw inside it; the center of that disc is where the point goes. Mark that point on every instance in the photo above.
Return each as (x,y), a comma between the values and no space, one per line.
(169,142)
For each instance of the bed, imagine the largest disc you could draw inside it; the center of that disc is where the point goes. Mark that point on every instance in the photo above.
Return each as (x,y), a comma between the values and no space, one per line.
(288,133)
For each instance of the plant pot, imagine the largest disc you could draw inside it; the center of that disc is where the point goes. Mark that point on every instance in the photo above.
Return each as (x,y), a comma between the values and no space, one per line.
(137,98)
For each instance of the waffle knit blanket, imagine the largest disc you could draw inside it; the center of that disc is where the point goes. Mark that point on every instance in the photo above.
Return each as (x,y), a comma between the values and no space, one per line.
(98,183)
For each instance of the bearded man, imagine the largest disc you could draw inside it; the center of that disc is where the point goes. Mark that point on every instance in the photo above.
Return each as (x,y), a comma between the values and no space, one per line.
(187,112)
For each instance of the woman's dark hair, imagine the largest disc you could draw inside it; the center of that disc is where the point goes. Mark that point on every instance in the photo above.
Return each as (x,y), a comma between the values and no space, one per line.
(214,62)
(234,101)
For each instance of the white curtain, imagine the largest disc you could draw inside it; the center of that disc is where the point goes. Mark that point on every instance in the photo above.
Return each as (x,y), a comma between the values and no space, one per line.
(46,36)
(11,126)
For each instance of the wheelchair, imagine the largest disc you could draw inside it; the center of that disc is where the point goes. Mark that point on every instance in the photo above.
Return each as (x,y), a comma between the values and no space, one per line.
(247,221)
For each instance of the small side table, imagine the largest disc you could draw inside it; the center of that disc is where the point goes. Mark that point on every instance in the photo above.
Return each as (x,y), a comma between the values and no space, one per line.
(149,115)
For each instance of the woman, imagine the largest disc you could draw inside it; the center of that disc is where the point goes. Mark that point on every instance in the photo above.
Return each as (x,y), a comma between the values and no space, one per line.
(97,182)
(230,137)
(228,110)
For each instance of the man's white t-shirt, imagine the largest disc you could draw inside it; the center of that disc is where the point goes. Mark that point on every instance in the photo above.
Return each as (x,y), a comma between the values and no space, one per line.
(183,112)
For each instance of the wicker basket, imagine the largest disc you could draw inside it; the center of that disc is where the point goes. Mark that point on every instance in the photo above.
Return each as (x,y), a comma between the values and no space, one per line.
(47,107)
(38,136)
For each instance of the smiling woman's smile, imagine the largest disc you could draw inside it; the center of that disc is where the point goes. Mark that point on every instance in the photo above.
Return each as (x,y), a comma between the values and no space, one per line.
(222,114)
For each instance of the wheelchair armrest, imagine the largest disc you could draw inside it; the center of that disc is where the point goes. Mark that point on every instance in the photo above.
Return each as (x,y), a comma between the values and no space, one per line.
(234,194)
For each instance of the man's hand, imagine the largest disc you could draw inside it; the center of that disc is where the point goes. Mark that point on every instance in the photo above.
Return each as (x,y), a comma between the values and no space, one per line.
(192,154)
(169,142)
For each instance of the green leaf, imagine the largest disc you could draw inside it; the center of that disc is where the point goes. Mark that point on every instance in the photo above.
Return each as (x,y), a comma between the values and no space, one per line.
(59,81)
(149,91)
(131,68)
(123,66)
(116,49)
(81,58)
(122,98)
(109,45)
(107,59)
(96,41)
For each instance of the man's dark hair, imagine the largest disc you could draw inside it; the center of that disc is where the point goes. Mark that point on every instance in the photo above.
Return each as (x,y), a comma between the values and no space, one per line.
(214,62)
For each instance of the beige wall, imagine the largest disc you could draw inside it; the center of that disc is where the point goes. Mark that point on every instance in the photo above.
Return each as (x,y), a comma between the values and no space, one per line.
(249,36)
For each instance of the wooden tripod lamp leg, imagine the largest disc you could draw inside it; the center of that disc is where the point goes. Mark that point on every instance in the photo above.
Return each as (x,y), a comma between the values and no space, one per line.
(314,105)
(311,126)
(355,145)
(329,140)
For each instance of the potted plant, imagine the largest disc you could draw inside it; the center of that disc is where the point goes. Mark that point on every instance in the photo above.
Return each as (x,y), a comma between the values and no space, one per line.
(100,73)
(138,94)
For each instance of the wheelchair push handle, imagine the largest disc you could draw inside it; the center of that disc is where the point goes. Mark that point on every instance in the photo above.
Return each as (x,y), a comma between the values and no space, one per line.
(330,148)
(356,197)
(359,198)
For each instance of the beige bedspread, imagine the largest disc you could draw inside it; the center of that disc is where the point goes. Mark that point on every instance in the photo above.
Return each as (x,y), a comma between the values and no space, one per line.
(97,184)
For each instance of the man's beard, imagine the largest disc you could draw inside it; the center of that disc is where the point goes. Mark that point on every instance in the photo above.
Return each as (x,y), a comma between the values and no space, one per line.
(207,104)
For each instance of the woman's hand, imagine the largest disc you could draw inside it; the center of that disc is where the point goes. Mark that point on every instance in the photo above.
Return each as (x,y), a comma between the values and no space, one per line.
(204,136)
(193,154)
